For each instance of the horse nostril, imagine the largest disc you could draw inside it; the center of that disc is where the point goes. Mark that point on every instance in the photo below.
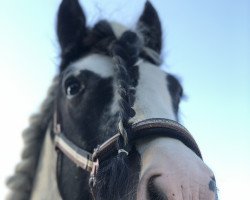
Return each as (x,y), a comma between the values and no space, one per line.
(154,192)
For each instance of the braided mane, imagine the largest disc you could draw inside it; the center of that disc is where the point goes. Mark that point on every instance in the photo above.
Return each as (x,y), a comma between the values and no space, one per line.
(21,182)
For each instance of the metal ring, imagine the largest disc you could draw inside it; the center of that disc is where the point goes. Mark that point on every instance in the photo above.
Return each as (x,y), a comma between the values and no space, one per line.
(122,151)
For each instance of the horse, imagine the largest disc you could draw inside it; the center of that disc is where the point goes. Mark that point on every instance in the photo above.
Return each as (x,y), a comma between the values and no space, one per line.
(108,129)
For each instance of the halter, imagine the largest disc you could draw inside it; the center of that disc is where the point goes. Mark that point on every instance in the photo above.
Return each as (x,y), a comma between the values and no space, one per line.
(154,127)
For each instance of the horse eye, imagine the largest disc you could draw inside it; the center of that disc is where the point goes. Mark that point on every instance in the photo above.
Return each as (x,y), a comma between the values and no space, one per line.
(72,87)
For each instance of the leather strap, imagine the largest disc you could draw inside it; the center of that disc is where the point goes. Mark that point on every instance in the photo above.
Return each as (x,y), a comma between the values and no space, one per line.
(79,156)
(156,127)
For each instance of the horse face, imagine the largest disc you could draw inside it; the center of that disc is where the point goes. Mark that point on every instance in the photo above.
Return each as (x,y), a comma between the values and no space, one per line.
(88,108)
(84,103)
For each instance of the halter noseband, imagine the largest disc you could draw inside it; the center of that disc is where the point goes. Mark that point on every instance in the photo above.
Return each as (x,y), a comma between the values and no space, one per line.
(154,127)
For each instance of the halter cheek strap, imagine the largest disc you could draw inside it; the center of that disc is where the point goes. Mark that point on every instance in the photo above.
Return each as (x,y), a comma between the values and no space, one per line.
(79,156)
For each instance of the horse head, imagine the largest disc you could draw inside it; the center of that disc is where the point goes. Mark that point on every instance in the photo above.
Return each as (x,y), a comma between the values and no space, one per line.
(115,122)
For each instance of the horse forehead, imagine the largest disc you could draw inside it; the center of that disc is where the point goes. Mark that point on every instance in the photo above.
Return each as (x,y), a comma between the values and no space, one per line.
(99,64)
(152,97)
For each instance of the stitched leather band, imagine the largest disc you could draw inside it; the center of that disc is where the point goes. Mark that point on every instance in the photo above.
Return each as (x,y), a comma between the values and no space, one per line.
(166,128)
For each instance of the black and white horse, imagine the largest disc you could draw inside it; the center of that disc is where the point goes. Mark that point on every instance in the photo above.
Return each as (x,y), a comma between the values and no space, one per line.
(110,92)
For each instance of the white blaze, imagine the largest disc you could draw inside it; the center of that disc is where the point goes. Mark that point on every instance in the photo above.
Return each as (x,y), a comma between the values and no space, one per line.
(97,63)
(153,99)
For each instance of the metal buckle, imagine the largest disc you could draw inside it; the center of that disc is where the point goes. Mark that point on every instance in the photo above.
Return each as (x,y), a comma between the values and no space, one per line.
(95,167)
(92,179)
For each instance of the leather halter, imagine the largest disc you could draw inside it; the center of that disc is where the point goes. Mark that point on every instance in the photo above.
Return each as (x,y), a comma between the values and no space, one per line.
(154,127)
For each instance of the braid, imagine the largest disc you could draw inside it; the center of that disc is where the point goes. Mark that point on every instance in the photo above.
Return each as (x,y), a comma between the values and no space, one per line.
(121,79)
(125,53)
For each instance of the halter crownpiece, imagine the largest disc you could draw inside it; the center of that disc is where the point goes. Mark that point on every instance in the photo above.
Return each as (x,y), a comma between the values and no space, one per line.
(155,127)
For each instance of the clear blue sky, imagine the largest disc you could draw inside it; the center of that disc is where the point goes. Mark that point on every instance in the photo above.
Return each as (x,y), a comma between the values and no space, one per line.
(207,44)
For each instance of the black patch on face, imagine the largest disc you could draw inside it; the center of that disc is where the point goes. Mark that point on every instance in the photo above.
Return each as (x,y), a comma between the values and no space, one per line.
(82,122)
(176,92)
(80,115)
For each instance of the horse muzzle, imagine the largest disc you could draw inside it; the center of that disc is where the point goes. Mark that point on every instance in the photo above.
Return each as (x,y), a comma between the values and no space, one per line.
(171,171)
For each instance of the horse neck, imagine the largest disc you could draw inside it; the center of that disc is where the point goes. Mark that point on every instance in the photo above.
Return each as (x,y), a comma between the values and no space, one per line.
(45,184)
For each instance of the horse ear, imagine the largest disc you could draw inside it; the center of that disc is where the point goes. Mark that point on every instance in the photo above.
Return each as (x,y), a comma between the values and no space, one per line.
(149,26)
(71,25)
